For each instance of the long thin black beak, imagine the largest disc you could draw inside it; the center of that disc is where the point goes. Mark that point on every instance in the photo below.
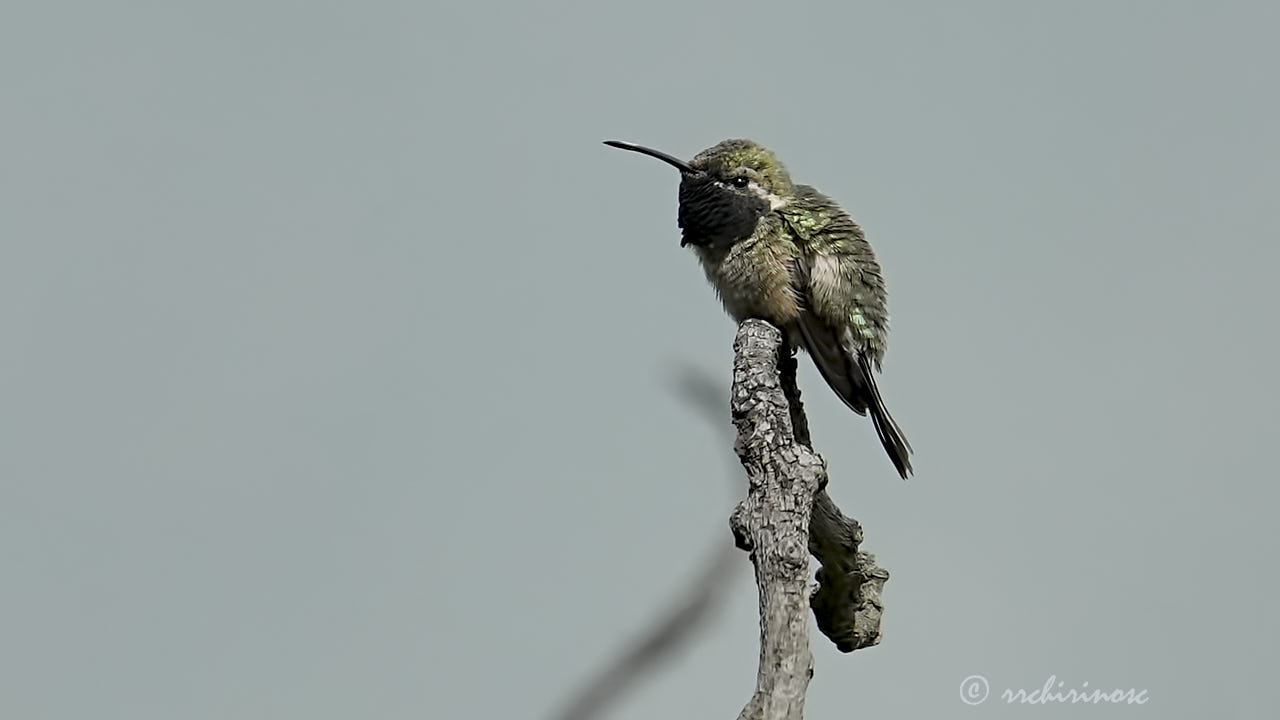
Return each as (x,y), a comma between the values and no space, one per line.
(679,164)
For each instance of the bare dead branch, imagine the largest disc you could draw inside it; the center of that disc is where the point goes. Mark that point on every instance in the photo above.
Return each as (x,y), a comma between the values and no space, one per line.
(847,603)
(787,514)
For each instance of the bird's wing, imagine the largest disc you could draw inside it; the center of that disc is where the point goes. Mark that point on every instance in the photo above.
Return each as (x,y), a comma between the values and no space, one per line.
(840,354)
(825,343)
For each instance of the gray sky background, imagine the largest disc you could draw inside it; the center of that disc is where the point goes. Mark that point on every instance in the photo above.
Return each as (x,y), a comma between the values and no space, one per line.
(341,362)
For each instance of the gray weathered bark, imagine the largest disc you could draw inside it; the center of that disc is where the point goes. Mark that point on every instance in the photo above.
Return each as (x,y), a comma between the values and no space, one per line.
(787,515)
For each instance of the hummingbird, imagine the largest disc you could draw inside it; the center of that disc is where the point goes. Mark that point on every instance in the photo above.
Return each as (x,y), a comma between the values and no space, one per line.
(785,253)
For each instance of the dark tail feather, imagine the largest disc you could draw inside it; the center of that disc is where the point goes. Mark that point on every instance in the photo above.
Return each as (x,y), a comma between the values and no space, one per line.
(855,384)
(891,437)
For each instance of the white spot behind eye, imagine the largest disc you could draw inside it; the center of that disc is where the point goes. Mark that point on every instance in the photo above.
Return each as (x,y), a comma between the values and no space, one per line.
(774,201)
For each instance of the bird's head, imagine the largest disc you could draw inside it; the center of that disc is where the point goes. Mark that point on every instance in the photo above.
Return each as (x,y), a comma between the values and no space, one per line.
(725,190)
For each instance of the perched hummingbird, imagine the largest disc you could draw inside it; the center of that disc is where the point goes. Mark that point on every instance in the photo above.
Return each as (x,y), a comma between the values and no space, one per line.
(785,253)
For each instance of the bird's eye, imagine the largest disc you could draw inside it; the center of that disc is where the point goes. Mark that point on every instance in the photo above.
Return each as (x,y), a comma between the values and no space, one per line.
(740,181)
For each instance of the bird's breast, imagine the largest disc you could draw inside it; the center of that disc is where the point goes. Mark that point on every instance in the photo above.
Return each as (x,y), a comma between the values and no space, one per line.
(754,277)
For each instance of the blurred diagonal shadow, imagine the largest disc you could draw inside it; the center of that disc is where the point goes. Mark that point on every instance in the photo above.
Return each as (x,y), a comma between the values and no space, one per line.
(679,623)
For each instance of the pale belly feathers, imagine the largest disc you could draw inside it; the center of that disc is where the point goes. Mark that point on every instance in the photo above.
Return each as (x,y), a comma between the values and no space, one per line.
(753,277)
